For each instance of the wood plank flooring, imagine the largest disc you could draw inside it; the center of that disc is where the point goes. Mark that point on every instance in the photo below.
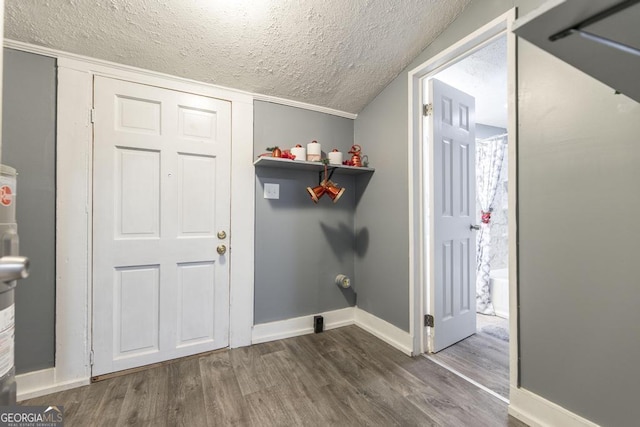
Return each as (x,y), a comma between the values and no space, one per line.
(481,357)
(343,377)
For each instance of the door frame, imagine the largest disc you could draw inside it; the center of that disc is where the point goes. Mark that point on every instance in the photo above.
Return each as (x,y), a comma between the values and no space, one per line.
(74,207)
(420,178)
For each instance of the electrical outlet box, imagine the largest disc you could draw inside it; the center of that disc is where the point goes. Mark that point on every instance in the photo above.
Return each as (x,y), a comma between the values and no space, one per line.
(318,324)
(271,191)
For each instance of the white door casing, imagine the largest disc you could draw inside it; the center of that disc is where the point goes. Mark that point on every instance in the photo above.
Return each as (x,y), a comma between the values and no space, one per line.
(453,264)
(161,194)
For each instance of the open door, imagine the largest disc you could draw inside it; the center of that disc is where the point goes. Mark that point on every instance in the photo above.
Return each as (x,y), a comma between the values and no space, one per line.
(452,247)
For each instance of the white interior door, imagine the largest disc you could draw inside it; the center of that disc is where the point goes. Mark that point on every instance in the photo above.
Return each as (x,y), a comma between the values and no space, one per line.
(161,195)
(452,244)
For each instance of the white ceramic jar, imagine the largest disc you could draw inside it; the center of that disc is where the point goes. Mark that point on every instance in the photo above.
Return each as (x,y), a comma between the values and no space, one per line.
(335,157)
(314,151)
(300,152)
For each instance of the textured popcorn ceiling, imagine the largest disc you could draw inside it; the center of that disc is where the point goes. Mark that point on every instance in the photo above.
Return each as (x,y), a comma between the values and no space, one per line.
(334,53)
(483,75)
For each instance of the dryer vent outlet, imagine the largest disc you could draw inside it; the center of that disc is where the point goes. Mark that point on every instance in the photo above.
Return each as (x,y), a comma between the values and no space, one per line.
(318,324)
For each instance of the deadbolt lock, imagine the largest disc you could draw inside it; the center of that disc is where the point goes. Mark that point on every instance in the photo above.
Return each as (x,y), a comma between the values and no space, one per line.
(222,249)
(222,235)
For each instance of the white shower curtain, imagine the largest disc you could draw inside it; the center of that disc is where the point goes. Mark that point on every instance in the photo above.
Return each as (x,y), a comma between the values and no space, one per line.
(489,159)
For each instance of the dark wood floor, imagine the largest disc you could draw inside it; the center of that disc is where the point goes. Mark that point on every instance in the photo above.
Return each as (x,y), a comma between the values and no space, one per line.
(481,357)
(343,377)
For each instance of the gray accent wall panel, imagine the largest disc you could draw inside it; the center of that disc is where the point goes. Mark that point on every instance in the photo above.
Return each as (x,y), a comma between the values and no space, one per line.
(301,247)
(28,144)
(579,171)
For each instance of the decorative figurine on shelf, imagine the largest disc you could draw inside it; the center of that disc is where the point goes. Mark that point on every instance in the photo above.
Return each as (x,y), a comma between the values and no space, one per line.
(275,151)
(356,159)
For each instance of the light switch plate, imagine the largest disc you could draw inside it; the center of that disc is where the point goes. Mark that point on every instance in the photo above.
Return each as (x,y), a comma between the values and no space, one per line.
(271,191)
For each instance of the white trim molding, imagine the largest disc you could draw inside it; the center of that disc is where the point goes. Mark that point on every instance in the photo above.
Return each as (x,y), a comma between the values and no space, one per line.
(73,226)
(40,383)
(391,334)
(512,202)
(242,237)
(54,53)
(272,331)
(537,411)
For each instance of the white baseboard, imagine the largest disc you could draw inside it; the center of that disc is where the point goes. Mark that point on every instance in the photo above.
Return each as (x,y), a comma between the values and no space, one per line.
(385,331)
(297,326)
(43,382)
(537,411)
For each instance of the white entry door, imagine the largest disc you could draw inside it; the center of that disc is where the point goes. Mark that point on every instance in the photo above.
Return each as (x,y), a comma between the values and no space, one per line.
(161,207)
(453,249)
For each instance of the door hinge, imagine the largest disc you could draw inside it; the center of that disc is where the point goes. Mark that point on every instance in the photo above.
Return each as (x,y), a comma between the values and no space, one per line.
(93,115)
(428,320)
(91,358)
(427,110)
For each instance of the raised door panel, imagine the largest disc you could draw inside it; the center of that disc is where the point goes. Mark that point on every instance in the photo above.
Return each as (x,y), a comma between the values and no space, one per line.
(446,176)
(198,124)
(197,200)
(138,115)
(196,303)
(136,310)
(137,193)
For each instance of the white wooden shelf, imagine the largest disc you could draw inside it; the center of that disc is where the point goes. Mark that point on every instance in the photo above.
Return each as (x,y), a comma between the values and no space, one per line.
(275,162)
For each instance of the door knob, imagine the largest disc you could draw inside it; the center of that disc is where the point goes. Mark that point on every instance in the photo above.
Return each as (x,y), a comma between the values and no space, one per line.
(474,227)
(222,249)
(222,235)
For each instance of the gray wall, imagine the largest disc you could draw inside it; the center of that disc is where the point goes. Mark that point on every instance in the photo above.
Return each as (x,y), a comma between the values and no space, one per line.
(579,167)
(578,176)
(383,269)
(301,247)
(28,144)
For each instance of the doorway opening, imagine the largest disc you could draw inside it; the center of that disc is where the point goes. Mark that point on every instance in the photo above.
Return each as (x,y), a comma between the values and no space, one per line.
(483,356)
(430,253)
